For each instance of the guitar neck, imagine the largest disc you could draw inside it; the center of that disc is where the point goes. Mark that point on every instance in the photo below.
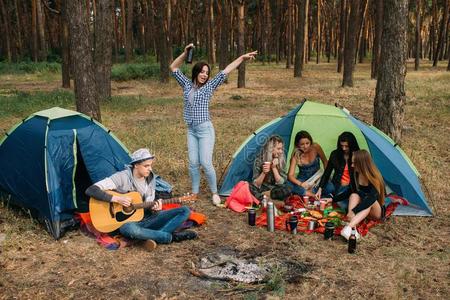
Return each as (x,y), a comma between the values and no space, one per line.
(152,203)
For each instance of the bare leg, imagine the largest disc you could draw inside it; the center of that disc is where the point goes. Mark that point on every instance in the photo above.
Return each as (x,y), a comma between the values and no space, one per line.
(352,202)
(373,212)
(359,217)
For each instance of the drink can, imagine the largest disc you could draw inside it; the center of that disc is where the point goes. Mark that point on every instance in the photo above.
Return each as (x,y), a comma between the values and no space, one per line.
(252,217)
(311,225)
(190,55)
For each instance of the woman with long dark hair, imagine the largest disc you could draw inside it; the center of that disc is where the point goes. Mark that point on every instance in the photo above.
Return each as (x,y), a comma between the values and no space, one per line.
(339,162)
(367,199)
(307,156)
(197,94)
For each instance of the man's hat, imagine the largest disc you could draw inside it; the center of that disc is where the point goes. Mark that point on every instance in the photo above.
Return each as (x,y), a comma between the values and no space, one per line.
(141,155)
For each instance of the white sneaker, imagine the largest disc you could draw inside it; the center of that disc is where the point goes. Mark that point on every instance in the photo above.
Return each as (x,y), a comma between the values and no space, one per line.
(216,200)
(346,232)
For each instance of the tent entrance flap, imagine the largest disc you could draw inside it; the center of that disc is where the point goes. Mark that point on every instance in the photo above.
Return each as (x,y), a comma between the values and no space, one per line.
(82,182)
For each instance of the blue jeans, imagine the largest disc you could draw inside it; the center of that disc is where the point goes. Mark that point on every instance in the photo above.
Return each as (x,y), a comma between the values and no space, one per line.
(158,226)
(331,189)
(200,139)
(304,174)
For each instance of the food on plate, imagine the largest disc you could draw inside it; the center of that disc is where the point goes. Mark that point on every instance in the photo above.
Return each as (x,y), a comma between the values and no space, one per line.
(334,214)
(315,214)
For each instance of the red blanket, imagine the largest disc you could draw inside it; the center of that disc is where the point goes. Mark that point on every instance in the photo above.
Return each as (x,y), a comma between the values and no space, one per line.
(363,227)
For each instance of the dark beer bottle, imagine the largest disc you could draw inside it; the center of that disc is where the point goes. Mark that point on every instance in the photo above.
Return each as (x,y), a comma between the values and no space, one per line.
(352,241)
(190,55)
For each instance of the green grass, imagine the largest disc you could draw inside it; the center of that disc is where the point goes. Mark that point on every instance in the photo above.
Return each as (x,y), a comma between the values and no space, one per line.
(29,67)
(20,104)
(136,71)
(134,103)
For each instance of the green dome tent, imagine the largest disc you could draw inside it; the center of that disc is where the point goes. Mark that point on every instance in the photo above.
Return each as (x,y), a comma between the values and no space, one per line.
(49,159)
(325,123)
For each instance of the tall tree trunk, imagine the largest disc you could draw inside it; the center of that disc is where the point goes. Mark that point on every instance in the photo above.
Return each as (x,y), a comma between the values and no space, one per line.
(300,38)
(390,91)
(288,35)
(41,31)
(224,34)
(319,40)
(211,49)
(34,30)
(116,36)
(418,37)
(129,35)
(241,42)
(342,31)
(362,32)
(306,42)
(6,22)
(19,29)
(441,36)
(103,48)
(433,28)
(160,7)
(376,49)
(350,44)
(85,90)
(65,49)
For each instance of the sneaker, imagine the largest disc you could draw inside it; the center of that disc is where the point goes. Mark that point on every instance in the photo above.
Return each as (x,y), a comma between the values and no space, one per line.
(150,245)
(346,232)
(216,200)
(183,235)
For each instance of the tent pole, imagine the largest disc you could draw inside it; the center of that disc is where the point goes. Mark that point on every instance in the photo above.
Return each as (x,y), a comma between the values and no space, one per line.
(223,172)
(429,196)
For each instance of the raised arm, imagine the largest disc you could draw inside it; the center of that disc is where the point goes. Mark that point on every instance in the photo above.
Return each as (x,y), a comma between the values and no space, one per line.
(233,65)
(176,64)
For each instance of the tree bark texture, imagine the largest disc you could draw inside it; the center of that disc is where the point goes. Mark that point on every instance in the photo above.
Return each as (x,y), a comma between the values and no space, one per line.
(342,31)
(85,89)
(300,38)
(350,43)
(160,7)
(6,31)
(65,49)
(241,42)
(41,31)
(103,48)
(376,49)
(441,36)
(129,34)
(418,37)
(390,91)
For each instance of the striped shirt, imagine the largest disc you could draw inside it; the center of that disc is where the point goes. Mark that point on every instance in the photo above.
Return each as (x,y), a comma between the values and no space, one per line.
(196,111)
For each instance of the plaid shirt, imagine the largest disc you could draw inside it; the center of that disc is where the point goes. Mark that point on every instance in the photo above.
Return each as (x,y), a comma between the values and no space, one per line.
(198,112)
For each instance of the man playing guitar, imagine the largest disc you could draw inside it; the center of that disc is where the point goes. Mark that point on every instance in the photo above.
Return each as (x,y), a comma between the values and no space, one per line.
(157,226)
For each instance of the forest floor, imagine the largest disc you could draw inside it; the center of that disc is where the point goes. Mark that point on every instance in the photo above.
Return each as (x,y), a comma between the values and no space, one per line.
(404,258)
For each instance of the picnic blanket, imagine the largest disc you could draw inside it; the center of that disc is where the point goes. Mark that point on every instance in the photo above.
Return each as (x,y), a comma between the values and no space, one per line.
(363,228)
(112,241)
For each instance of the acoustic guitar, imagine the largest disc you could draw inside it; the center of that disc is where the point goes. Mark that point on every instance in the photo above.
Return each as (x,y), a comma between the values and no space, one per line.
(109,216)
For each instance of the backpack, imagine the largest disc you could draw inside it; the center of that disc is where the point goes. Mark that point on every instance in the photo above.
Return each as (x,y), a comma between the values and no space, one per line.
(240,198)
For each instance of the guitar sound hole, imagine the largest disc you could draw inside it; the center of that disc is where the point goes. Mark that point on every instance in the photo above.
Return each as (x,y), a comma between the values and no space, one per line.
(128,209)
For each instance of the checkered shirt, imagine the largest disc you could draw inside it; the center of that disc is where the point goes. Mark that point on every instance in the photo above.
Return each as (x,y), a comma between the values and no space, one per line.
(197,112)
